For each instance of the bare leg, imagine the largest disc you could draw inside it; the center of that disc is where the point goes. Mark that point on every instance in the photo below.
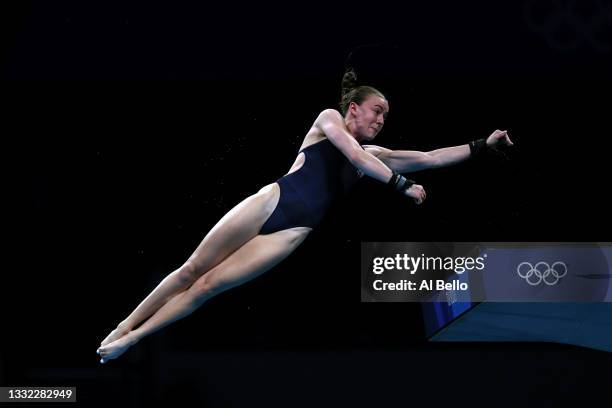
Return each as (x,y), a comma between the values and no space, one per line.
(237,227)
(172,284)
(251,260)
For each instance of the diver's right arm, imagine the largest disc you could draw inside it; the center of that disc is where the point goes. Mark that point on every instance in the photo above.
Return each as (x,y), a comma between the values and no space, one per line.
(330,122)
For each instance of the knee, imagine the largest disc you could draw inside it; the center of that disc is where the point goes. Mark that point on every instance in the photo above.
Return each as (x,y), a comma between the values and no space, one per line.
(189,272)
(298,235)
(205,287)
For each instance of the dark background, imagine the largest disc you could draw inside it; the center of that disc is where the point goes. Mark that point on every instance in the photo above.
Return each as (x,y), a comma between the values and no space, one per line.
(130,129)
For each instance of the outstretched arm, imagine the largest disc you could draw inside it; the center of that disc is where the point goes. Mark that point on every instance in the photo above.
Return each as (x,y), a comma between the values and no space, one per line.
(406,161)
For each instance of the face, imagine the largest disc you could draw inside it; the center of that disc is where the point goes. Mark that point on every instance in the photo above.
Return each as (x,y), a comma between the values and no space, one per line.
(370,116)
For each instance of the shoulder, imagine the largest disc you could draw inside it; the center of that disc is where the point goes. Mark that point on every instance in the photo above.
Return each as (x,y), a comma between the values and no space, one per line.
(329,116)
(330,112)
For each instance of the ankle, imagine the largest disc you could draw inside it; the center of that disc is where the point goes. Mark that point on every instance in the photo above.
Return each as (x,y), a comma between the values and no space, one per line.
(132,337)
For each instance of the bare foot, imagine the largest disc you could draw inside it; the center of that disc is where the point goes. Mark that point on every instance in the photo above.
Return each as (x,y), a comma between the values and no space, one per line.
(116,334)
(116,348)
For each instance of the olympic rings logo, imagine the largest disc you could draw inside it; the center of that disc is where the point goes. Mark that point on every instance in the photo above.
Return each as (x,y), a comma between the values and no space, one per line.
(542,272)
(565,24)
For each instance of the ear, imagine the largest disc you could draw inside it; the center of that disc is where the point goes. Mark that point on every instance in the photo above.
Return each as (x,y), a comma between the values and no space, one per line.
(353,107)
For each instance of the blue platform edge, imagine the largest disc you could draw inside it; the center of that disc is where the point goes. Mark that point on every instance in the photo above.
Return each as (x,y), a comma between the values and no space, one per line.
(582,324)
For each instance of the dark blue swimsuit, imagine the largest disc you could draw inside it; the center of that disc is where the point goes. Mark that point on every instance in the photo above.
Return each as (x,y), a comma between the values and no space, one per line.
(307,193)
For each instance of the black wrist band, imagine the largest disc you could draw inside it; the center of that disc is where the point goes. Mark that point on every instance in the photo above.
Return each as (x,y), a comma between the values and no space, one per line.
(404,184)
(399,182)
(478,147)
(393,180)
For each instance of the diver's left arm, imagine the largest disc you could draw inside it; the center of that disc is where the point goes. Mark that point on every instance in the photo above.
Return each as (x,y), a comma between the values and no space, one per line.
(407,161)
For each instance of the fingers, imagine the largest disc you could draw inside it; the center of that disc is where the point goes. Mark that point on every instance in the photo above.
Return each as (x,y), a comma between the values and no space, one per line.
(507,138)
(498,135)
(420,194)
(417,193)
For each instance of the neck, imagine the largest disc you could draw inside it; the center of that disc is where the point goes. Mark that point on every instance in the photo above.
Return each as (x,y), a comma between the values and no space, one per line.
(351,127)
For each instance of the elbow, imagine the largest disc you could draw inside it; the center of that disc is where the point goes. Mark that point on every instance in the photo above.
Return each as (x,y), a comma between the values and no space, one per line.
(429,160)
(357,158)
(433,162)
(424,161)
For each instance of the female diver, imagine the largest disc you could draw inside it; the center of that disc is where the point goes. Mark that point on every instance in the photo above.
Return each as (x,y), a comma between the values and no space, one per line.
(266,227)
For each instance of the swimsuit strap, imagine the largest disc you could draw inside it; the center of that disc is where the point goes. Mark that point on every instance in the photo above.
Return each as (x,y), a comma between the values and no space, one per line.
(321,141)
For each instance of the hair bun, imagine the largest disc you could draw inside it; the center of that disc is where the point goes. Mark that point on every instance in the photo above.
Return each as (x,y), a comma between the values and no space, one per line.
(351,92)
(349,80)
